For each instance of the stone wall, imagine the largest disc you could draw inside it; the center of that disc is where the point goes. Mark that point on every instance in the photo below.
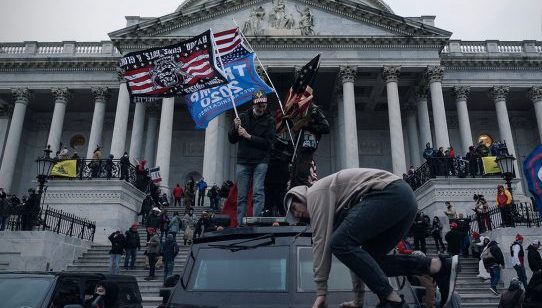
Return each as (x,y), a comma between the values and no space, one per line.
(39,250)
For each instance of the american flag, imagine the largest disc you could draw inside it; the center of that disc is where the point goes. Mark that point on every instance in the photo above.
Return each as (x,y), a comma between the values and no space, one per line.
(230,45)
(179,69)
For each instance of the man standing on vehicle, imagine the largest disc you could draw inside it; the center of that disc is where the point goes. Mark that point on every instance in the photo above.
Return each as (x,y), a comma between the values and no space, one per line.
(359,215)
(254,130)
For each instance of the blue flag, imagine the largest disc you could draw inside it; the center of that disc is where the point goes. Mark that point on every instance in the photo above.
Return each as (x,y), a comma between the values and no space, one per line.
(532,168)
(242,79)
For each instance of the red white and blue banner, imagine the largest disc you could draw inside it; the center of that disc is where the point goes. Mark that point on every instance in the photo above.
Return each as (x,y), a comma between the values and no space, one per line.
(179,69)
(532,168)
(242,78)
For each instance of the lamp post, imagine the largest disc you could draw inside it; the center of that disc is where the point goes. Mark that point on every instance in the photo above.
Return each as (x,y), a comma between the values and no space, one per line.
(506,164)
(44,164)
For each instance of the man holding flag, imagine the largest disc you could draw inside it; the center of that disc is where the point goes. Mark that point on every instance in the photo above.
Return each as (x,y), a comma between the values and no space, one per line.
(254,130)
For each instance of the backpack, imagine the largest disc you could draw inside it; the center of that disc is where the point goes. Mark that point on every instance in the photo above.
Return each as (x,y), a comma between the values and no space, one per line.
(486,254)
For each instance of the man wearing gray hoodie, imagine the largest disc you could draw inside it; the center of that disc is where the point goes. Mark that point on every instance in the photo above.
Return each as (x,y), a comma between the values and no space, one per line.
(359,215)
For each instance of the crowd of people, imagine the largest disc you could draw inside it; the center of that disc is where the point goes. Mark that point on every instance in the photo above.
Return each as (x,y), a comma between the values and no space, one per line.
(25,211)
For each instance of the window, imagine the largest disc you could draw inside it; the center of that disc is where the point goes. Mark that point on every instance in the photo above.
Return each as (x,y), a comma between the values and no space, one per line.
(262,269)
(67,293)
(24,292)
(339,277)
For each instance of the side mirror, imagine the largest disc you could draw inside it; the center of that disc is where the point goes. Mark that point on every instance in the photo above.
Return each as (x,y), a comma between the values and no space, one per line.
(73,306)
(171,281)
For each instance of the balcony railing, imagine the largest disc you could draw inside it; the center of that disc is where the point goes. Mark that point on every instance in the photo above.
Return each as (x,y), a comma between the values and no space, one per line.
(17,217)
(520,214)
(59,48)
(494,47)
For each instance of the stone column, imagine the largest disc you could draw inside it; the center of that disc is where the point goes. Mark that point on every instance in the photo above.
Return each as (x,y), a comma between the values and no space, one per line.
(163,152)
(341,143)
(434,77)
(100,98)
(349,130)
(118,141)
(213,152)
(391,76)
(461,96)
(153,109)
(11,150)
(413,142)
(535,95)
(5,112)
(137,131)
(61,96)
(423,118)
(499,94)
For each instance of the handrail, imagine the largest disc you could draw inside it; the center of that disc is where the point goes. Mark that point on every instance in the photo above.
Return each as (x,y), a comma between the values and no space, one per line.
(521,214)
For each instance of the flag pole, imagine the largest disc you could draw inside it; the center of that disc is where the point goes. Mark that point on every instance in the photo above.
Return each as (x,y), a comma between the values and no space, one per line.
(268,78)
(222,68)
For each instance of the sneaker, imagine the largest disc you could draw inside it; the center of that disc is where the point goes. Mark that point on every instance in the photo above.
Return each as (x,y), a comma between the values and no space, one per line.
(446,277)
(494,290)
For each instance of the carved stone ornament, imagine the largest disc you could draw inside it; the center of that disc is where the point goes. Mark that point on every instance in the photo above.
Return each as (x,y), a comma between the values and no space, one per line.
(391,73)
(5,108)
(60,95)
(347,74)
(535,94)
(254,24)
(21,95)
(499,93)
(306,21)
(280,18)
(434,74)
(421,93)
(280,21)
(100,94)
(461,93)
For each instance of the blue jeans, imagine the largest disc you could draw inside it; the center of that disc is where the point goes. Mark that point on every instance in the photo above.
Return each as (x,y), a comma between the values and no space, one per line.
(244,172)
(168,269)
(130,253)
(371,229)
(114,261)
(495,273)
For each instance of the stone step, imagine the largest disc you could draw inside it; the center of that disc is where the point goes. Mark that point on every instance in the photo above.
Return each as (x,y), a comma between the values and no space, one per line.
(477,305)
(480,298)
(470,289)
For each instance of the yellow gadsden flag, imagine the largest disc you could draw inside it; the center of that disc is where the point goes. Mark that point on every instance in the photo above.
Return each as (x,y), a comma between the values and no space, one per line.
(65,168)
(490,165)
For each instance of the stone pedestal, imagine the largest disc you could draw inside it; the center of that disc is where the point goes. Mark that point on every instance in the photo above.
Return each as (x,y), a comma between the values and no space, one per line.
(113,204)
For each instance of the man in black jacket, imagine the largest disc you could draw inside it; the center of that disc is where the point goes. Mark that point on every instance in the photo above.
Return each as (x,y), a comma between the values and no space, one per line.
(493,259)
(533,256)
(132,243)
(455,239)
(124,166)
(254,130)
(117,250)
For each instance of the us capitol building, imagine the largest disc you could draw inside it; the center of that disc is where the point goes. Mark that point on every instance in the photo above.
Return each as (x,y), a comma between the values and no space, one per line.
(388,85)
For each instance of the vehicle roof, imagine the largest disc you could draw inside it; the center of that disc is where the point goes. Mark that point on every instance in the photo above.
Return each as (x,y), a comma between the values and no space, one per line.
(249,232)
(68,274)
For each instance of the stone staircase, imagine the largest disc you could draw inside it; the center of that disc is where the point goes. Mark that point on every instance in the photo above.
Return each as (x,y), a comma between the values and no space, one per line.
(474,291)
(96,260)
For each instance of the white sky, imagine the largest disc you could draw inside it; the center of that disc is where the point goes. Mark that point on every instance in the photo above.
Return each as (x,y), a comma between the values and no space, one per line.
(91,20)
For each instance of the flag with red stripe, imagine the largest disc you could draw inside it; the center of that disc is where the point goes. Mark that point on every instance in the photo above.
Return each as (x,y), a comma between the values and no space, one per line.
(227,41)
(179,69)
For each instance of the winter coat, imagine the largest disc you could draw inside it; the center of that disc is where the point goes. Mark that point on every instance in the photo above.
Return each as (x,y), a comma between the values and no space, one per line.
(201,185)
(189,221)
(497,259)
(312,132)
(132,239)
(436,228)
(164,222)
(153,221)
(533,256)
(178,192)
(117,243)
(512,299)
(154,245)
(504,198)
(455,239)
(170,249)
(124,162)
(418,228)
(257,149)
(175,224)
(147,205)
(204,225)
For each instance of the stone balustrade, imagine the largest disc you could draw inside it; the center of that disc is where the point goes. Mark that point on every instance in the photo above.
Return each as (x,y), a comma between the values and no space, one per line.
(58,48)
(494,47)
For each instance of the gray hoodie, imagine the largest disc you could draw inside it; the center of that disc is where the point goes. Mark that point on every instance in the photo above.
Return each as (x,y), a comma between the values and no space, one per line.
(325,199)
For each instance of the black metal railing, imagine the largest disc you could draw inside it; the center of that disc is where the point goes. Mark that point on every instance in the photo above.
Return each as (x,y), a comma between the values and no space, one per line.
(87,169)
(520,214)
(27,218)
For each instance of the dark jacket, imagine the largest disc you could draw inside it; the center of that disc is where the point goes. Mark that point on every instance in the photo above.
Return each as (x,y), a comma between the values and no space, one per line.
(132,240)
(170,249)
(533,256)
(257,149)
(455,239)
(154,245)
(512,298)
(314,130)
(498,258)
(153,220)
(117,243)
(124,162)
(419,227)
(204,225)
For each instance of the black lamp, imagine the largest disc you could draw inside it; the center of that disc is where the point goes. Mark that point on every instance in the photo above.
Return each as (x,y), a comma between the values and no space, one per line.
(506,164)
(45,164)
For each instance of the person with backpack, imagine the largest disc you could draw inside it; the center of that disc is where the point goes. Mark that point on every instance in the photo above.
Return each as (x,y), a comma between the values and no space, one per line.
(170,251)
(132,243)
(493,260)
(518,258)
(512,297)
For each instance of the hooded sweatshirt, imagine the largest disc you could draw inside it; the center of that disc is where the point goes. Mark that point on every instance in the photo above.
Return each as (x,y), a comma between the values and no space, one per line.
(325,200)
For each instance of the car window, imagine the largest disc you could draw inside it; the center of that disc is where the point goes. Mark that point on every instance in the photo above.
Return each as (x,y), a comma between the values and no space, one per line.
(23,292)
(90,285)
(129,293)
(68,292)
(261,269)
(339,276)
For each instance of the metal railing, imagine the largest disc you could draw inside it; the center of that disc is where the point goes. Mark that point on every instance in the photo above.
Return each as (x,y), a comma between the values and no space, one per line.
(439,166)
(521,214)
(503,47)
(29,218)
(88,169)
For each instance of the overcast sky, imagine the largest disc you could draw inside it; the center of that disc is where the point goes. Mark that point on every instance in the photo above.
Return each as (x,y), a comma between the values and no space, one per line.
(91,20)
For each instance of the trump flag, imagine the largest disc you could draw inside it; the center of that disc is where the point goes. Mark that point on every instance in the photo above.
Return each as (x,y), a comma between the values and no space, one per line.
(532,168)
(179,69)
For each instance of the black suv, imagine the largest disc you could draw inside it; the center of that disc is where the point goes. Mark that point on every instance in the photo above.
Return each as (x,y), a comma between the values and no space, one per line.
(263,267)
(58,290)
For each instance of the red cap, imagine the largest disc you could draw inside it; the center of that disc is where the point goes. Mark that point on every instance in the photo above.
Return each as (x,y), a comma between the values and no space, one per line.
(519,237)
(475,234)
(453,225)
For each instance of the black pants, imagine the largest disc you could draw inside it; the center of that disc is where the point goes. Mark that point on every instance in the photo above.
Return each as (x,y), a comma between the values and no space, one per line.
(302,168)
(153,258)
(201,198)
(438,240)
(420,241)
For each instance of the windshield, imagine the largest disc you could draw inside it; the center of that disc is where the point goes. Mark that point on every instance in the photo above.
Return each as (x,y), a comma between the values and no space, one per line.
(262,269)
(25,292)
(339,276)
